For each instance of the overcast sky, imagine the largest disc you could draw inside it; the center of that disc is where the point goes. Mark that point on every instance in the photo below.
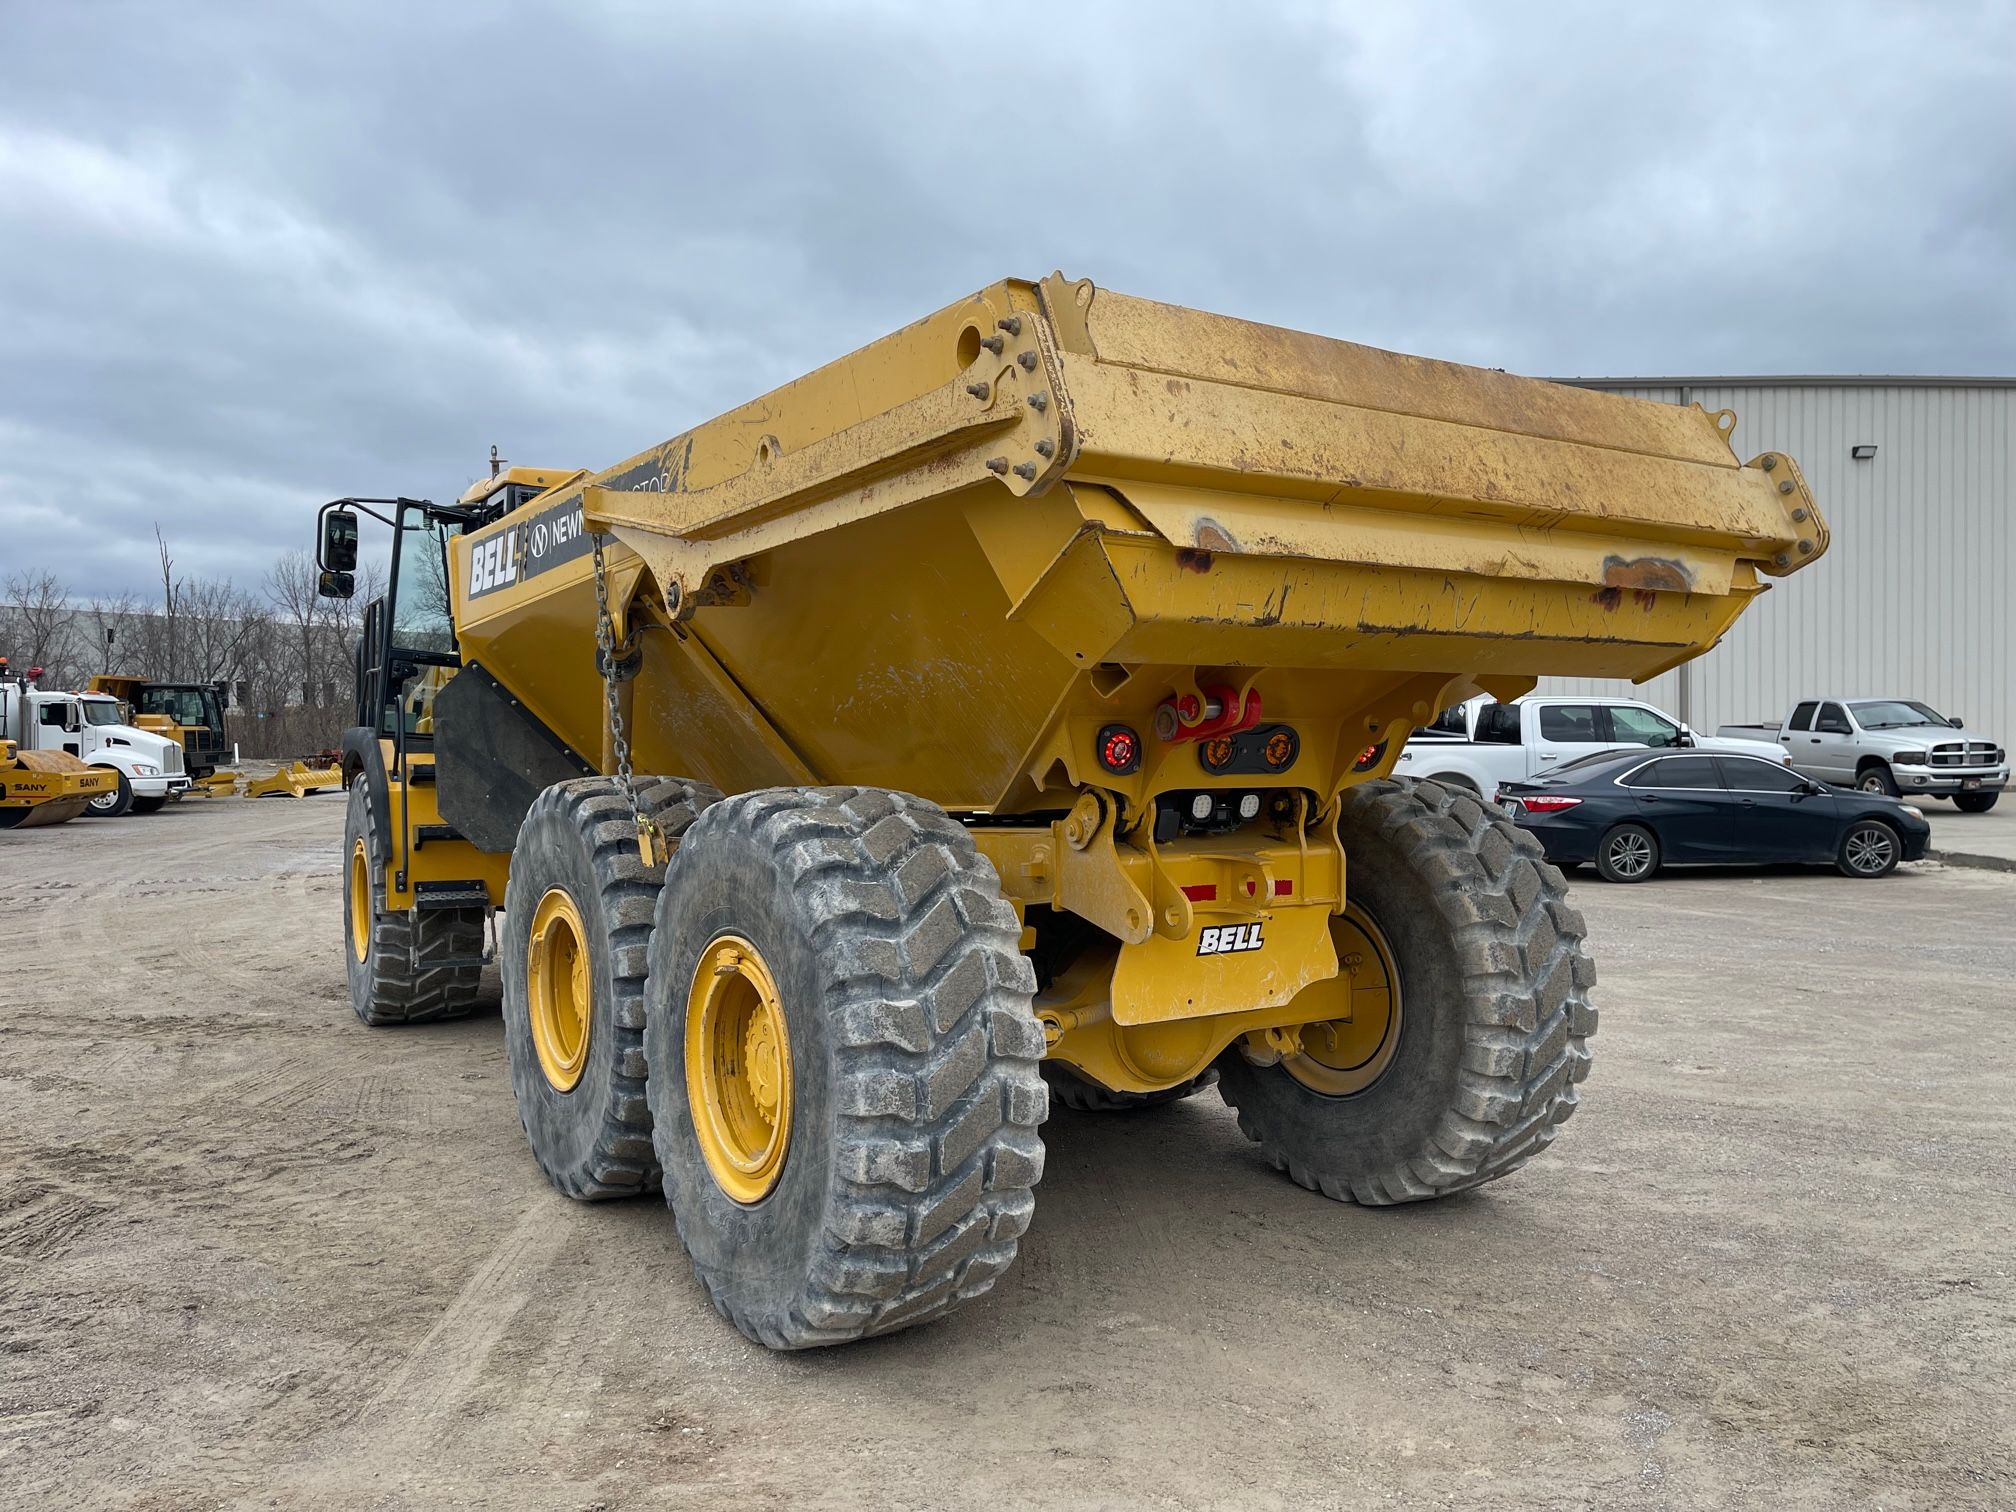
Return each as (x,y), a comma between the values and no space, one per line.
(253,256)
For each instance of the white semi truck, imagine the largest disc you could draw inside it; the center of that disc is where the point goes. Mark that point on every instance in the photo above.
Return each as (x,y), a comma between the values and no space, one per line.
(88,726)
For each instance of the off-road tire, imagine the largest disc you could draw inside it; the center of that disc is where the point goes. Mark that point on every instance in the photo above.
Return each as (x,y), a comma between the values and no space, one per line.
(1495,1017)
(120,801)
(149,805)
(914,1148)
(1975,803)
(1082,1095)
(594,1140)
(398,981)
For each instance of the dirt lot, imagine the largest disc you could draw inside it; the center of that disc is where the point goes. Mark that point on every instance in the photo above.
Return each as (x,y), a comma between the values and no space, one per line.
(254,1254)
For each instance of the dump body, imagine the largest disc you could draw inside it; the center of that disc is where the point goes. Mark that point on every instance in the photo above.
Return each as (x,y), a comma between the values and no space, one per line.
(936,566)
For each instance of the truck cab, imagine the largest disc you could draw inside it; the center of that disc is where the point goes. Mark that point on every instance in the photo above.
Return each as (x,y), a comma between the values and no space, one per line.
(1479,744)
(189,713)
(91,727)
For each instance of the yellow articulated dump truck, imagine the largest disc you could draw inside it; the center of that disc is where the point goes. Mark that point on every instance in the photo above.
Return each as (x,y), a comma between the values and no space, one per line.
(1005,713)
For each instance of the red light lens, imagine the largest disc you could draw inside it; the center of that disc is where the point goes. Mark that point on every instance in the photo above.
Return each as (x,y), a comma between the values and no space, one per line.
(1546,805)
(1119,749)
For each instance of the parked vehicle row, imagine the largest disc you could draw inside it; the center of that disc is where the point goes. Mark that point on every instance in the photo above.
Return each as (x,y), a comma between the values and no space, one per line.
(1890,746)
(1480,744)
(1632,813)
(91,727)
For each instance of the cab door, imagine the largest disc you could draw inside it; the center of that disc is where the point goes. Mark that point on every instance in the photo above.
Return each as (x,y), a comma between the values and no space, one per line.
(1565,732)
(1682,800)
(1829,747)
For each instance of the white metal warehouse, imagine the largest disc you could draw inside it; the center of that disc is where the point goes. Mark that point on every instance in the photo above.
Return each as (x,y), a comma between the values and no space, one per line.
(1914,477)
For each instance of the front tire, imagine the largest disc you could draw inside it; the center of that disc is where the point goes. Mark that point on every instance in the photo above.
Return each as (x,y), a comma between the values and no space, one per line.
(1876,779)
(1628,853)
(404,968)
(111,805)
(867,1163)
(1975,803)
(149,805)
(1494,1015)
(1871,848)
(577,921)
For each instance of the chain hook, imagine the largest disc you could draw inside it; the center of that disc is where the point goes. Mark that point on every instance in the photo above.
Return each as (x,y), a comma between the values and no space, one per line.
(651,847)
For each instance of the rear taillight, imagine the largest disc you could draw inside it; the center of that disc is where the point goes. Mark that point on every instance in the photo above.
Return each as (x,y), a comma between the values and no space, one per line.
(1538,805)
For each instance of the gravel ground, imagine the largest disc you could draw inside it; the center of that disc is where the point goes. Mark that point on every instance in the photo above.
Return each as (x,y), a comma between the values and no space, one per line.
(254,1254)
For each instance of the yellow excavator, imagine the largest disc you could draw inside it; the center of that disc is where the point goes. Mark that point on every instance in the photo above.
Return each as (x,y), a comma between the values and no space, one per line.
(1005,714)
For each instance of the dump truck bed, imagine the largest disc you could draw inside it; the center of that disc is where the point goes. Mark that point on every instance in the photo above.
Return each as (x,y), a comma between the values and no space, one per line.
(927,563)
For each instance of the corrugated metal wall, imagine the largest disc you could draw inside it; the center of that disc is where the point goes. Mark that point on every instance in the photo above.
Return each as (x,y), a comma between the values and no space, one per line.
(1913,596)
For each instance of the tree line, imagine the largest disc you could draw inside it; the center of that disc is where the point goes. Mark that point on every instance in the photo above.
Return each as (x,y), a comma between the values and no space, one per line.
(284,653)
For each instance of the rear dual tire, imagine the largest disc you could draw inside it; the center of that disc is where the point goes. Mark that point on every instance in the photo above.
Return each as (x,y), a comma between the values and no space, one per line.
(577,921)
(878,1173)
(1493,1009)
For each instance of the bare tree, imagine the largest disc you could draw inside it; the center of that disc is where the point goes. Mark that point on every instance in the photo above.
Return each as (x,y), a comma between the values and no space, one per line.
(171,592)
(39,627)
(111,620)
(298,609)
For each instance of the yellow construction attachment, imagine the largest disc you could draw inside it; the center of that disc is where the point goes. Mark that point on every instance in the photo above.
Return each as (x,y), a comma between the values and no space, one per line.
(297,779)
(40,788)
(216,785)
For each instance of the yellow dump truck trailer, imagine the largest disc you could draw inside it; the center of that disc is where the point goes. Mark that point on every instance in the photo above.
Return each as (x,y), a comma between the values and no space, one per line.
(1013,702)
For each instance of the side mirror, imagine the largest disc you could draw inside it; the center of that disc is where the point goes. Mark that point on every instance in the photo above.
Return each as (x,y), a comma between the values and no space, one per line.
(1686,737)
(340,585)
(338,555)
(1956,722)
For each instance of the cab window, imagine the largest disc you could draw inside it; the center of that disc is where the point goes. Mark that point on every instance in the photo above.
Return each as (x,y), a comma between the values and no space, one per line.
(1802,717)
(1745,774)
(1634,726)
(1498,724)
(1570,722)
(1677,772)
(1833,720)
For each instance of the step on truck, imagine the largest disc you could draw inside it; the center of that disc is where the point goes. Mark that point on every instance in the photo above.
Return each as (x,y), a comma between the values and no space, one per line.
(1004,716)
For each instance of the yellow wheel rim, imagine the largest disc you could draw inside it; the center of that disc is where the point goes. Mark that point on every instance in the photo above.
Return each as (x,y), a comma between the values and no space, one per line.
(1350,1052)
(360,902)
(561,989)
(738,1069)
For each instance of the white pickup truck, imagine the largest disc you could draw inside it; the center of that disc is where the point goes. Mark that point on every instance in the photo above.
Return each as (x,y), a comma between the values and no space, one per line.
(1479,744)
(1890,745)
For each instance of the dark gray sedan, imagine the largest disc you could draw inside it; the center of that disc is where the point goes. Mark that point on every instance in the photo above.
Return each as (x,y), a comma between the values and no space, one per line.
(1632,812)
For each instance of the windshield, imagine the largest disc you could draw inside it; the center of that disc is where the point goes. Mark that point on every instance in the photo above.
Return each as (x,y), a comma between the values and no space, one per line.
(186,706)
(1895,714)
(101,711)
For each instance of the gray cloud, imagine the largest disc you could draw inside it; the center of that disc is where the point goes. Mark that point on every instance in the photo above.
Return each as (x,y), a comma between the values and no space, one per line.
(253,257)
